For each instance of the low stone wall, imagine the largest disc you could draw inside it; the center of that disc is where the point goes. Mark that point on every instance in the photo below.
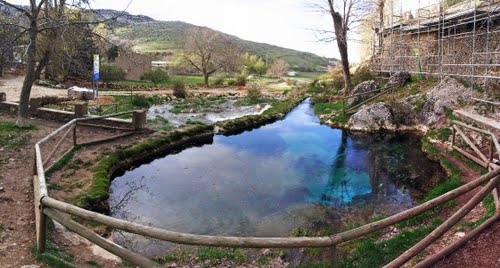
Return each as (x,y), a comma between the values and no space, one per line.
(57,115)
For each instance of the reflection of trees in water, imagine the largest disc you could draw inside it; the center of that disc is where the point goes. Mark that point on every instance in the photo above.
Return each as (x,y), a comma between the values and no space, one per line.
(121,201)
(337,181)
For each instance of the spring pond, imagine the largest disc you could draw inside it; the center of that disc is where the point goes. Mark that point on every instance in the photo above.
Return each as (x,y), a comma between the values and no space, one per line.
(268,181)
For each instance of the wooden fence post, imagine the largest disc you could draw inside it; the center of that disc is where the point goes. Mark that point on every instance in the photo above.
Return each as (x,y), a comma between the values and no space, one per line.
(81,110)
(139,119)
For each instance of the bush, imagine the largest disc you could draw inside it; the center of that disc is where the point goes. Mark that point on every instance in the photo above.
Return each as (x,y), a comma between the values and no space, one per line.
(291,82)
(241,80)
(109,73)
(362,74)
(254,93)
(219,81)
(156,76)
(231,82)
(140,101)
(179,90)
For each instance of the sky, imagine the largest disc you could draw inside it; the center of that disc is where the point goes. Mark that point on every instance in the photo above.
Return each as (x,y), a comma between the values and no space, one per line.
(285,23)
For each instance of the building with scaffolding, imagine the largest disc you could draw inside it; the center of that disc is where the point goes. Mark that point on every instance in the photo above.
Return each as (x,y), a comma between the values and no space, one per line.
(445,38)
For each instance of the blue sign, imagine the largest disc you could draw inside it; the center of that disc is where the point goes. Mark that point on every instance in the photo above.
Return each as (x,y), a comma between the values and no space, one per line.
(96,67)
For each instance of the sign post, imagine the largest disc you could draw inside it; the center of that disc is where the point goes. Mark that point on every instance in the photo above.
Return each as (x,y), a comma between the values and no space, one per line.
(96,76)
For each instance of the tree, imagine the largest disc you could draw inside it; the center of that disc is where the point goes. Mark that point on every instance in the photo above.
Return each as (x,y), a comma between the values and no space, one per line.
(278,68)
(208,52)
(346,15)
(41,17)
(10,36)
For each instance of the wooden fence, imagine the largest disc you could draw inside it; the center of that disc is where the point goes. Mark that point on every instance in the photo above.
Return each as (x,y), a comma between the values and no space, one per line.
(47,207)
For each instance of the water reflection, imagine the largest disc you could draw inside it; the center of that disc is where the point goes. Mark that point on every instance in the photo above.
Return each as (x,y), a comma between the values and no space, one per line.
(269,180)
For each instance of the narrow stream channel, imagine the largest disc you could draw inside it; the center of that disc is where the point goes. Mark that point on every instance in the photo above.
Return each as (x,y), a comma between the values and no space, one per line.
(265,182)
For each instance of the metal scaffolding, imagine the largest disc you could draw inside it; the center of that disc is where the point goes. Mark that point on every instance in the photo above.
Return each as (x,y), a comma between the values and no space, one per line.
(460,40)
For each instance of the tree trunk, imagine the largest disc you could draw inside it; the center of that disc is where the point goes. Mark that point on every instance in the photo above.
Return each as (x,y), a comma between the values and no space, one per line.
(341,36)
(1,65)
(206,76)
(23,113)
(42,64)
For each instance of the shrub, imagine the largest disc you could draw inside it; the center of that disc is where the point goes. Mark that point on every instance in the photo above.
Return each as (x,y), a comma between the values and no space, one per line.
(140,101)
(231,82)
(219,80)
(254,93)
(179,90)
(156,76)
(291,82)
(362,74)
(241,80)
(109,73)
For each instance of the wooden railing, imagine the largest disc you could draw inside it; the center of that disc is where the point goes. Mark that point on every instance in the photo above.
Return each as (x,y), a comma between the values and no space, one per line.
(354,108)
(47,207)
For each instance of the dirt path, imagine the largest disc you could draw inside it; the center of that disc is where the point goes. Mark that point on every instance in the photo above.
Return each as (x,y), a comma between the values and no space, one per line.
(12,87)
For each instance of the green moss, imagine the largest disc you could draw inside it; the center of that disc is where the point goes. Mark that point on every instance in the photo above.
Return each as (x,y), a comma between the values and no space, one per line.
(63,161)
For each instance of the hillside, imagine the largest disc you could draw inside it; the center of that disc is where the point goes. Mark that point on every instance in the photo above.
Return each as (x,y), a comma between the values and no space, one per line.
(146,35)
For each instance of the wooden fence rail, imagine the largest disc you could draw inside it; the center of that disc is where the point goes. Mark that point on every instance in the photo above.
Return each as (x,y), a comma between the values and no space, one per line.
(46,206)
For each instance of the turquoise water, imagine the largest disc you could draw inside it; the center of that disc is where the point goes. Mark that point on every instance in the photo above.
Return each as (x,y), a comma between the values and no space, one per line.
(265,182)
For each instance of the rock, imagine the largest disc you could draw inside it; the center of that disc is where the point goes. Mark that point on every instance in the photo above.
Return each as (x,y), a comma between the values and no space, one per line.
(398,79)
(30,266)
(2,189)
(460,234)
(372,118)
(266,252)
(446,95)
(362,88)
(80,93)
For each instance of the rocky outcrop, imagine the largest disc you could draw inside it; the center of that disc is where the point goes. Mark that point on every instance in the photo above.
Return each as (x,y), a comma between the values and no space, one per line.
(446,95)
(372,118)
(398,79)
(414,111)
(363,87)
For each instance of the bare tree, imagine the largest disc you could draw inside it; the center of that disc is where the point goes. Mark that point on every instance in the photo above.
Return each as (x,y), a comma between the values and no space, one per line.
(42,17)
(346,15)
(208,52)
(278,68)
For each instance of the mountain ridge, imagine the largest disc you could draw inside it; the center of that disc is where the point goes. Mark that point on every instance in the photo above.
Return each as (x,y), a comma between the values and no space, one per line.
(146,35)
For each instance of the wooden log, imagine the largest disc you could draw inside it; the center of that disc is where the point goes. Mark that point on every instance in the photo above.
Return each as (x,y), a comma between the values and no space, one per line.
(99,240)
(447,225)
(107,139)
(42,186)
(351,109)
(471,127)
(105,127)
(57,131)
(471,144)
(429,261)
(58,145)
(471,157)
(262,242)
(74,135)
(40,218)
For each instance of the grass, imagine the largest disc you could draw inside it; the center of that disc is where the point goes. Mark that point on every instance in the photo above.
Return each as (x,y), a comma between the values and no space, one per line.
(54,255)
(369,253)
(209,253)
(62,161)
(442,134)
(253,101)
(468,163)
(12,136)
(327,107)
